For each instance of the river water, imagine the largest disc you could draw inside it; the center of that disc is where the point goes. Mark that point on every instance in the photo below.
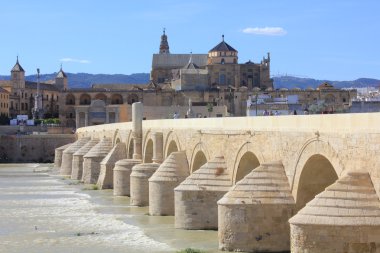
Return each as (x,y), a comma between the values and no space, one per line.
(44,212)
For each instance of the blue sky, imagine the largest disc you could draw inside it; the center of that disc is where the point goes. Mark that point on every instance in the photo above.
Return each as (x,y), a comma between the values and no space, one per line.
(325,39)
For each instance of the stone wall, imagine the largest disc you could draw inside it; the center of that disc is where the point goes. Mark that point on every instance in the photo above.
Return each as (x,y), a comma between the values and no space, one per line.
(32,148)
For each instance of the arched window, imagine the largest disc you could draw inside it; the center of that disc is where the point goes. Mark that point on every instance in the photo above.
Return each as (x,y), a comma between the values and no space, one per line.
(85,99)
(132,98)
(116,99)
(101,96)
(222,79)
(222,61)
(70,99)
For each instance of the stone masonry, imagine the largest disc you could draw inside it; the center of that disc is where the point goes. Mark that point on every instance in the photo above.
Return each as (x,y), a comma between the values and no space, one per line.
(196,197)
(328,162)
(92,160)
(169,175)
(77,163)
(254,214)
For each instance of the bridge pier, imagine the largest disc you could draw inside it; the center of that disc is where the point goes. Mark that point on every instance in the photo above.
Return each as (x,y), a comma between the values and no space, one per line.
(343,218)
(92,160)
(196,197)
(105,180)
(67,155)
(77,164)
(137,117)
(158,147)
(139,183)
(121,176)
(169,175)
(253,215)
(58,155)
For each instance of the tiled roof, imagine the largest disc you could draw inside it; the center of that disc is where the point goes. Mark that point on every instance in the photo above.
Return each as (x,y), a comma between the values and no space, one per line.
(177,60)
(61,74)
(43,86)
(17,67)
(5,83)
(3,90)
(191,65)
(325,85)
(224,47)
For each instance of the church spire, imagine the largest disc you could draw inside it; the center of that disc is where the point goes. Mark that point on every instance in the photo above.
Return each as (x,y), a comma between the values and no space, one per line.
(164,45)
(17,67)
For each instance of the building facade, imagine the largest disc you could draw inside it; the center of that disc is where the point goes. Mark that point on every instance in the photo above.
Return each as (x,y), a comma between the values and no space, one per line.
(22,93)
(212,81)
(4,102)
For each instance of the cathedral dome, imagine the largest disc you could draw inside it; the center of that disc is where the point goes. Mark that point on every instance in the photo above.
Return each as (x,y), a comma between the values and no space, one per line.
(223,47)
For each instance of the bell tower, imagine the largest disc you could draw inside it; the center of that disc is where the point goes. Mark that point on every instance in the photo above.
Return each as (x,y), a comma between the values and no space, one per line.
(164,45)
(18,76)
(61,80)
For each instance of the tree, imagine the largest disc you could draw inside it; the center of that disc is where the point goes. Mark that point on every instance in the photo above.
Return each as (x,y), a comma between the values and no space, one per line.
(4,120)
(210,108)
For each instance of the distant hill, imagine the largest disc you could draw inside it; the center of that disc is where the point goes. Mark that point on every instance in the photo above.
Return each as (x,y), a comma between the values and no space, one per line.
(84,80)
(303,83)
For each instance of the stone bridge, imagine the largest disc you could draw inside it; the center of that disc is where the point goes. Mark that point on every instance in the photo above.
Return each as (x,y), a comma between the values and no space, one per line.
(302,183)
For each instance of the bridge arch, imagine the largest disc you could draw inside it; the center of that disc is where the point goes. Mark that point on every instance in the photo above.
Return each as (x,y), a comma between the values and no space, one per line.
(317,167)
(130,149)
(148,147)
(172,144)
(199,157)
(247,159)
(148,151)
(116,137)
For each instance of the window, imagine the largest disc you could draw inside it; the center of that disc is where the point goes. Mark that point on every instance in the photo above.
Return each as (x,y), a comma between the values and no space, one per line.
(222,79)
(222,61)
(344,100)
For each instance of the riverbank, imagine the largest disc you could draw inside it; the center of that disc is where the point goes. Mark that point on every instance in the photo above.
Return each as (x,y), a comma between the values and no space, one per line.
(43,212)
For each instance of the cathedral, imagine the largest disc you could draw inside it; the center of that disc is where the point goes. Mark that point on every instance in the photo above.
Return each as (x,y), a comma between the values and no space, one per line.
(217,69)
(206,85)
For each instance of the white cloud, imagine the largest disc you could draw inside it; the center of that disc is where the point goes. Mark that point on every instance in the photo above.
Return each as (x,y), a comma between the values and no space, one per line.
(270,31)
(74,60)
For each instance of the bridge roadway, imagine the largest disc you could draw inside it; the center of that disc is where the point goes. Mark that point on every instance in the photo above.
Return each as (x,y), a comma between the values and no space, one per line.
(302,183)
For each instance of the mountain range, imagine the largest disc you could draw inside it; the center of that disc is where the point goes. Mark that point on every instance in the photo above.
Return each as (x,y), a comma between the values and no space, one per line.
(84,80)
